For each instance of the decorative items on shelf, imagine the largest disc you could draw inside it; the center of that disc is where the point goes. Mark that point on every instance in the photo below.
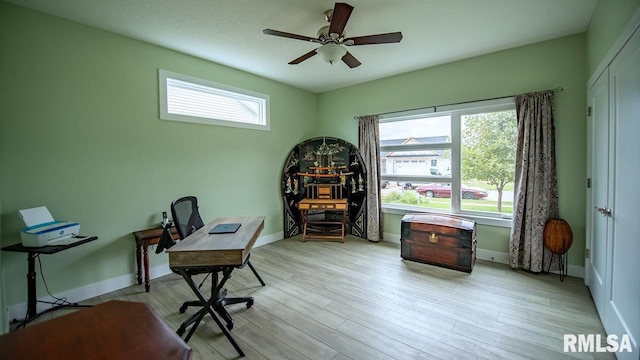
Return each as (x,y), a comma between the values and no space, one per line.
(325,171)
(324,160)
(291,189)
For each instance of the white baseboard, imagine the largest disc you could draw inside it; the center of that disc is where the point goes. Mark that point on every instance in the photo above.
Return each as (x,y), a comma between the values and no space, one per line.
(268,239)
(79,294)
(391,237)
(499,257)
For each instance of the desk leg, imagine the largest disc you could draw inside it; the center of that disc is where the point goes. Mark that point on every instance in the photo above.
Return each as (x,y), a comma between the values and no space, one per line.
(208,306)
(145,253)
(32,300)
(344,224)
(139,262)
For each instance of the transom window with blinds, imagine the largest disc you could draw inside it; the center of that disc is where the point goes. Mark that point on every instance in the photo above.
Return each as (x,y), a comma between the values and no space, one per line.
(189,99)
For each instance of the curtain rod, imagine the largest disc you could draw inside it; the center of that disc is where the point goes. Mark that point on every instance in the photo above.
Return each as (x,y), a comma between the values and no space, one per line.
(556,90)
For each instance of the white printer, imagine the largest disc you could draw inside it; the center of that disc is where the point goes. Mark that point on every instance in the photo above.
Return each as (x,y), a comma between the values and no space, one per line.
(43,230)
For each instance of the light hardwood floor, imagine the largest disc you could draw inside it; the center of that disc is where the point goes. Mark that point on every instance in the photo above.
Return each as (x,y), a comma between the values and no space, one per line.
(360,300)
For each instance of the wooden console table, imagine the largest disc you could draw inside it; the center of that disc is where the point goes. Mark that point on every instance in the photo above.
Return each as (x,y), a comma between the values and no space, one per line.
(144,238)
(113,330)
(338,205)
(217,252)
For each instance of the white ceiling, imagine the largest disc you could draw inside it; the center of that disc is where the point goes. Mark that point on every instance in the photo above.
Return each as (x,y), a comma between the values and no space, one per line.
(229,32)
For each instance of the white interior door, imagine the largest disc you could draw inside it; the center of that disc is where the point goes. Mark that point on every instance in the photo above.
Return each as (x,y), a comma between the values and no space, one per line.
(599,239)
(623,293)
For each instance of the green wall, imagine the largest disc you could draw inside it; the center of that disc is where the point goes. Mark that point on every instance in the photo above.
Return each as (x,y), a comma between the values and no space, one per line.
(608,20)
(3,301)
(80,133)
(546,65)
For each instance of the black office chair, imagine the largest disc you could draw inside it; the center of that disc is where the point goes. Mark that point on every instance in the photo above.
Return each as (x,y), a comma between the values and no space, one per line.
(187,220)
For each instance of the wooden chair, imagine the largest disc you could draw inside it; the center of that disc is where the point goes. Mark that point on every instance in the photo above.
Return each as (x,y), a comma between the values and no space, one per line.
(321,198)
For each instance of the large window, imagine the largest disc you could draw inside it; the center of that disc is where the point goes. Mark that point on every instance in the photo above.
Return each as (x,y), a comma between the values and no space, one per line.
(456,159)
(189,99)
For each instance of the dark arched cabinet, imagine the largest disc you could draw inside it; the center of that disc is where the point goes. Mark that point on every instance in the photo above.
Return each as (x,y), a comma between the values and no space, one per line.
(325,160)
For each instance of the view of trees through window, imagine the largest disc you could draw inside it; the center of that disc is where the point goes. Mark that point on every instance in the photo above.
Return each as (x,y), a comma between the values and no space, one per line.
(424,158)
(489,154)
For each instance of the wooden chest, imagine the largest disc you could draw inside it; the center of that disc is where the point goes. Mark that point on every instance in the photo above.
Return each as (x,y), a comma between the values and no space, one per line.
(440,240)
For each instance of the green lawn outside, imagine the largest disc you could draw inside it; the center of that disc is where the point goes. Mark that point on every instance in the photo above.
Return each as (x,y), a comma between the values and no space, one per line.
(484,185)
(412,198)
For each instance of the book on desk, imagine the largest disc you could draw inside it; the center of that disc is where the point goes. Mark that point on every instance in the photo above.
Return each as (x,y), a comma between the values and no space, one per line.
(228,228)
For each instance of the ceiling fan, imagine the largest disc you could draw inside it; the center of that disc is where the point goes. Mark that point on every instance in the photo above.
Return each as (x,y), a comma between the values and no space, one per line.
(333,38)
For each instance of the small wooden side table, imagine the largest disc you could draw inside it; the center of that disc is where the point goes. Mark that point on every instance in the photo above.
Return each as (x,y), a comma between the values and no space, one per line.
(144,238)
(337,205)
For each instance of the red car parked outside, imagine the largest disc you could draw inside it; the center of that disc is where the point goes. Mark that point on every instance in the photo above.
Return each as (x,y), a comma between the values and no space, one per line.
(444,191)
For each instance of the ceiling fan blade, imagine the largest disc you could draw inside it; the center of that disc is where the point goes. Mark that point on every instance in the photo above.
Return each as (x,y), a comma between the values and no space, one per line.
(288,35)
(341,14)
(393,37)
(350,60)
(303,58)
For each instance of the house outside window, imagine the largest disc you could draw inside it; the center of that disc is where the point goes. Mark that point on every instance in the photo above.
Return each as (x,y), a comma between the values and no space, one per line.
(457,159)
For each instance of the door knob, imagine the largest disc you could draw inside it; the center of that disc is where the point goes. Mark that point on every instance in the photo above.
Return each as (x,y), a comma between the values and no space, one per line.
(604,211)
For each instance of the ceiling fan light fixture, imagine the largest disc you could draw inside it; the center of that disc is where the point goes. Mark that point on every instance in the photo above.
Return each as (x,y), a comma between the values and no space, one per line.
(331,52)
(333,39)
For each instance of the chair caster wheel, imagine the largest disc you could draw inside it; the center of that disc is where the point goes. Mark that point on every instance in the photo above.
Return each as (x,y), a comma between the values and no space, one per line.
(183,308)
(180,331)
(249,304)
(230,326)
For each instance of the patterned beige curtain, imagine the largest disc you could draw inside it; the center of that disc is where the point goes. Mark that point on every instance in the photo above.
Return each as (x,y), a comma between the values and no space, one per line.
(369,141)
(536,188)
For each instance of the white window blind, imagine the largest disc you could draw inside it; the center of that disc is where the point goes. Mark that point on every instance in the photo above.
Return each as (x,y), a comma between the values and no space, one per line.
(184,98)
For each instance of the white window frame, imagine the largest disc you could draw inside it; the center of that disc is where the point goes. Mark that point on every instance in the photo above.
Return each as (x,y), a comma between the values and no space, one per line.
(262,101)
(455,111)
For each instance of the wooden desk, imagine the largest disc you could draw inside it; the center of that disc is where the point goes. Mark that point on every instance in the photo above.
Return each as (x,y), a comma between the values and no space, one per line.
(32,253)
(104,331)
(143,239)
(308,233)
(204,250)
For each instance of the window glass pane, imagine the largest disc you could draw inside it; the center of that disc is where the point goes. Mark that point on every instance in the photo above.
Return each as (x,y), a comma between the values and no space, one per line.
(425,154)
(416,131)
(420,163)
(488,148)
(420,138)
(416,148)
(432,196)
